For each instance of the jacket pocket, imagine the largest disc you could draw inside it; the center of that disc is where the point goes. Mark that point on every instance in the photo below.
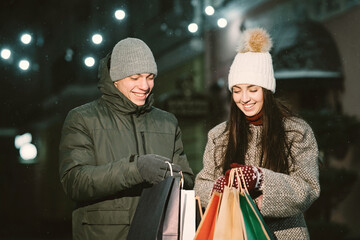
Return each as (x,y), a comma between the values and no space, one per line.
(106,217)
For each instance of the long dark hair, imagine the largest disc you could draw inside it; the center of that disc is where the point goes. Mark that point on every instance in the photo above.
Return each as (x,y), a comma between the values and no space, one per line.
(275,149)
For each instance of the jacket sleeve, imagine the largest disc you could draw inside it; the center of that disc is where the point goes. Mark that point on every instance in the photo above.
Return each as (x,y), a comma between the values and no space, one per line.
(206,178)
(288,195)
(181,159)
(81,178)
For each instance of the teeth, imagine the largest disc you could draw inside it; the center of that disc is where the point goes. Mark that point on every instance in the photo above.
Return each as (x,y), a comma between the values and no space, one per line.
(248,105)
(140,95)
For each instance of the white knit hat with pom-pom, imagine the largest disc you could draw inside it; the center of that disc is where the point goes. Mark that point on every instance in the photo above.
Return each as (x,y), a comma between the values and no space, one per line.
(253,63)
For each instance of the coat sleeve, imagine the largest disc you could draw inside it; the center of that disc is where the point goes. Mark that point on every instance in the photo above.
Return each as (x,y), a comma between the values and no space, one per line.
(181,159)
(206,178)
(288,195)
(81,179)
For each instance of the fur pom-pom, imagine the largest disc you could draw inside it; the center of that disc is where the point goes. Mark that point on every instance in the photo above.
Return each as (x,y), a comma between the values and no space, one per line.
(255,40)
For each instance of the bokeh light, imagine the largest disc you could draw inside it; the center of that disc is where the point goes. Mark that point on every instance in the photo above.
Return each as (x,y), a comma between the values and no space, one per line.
(222,22)
(28,151)
(24,64)
(89,61)
(5,53)
(22,140)
(193,27)
(209,10)
(119,14)
(26,38)
(97,38)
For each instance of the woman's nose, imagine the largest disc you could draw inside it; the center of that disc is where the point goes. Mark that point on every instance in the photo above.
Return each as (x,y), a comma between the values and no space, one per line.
(244,97)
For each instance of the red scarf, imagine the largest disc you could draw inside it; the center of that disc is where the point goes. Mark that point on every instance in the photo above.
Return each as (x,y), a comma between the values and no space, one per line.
(256,119)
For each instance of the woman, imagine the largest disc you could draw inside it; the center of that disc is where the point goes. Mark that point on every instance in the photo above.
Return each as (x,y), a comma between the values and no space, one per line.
(275,150)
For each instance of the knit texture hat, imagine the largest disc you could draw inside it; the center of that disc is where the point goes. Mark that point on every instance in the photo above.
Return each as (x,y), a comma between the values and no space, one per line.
(131,56)
(253,63)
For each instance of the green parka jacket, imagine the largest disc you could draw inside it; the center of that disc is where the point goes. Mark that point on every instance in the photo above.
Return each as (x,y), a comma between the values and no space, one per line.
(97,164)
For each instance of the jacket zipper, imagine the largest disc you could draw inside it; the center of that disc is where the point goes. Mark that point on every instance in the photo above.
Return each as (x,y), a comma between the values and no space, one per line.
(143,141)
(136,139)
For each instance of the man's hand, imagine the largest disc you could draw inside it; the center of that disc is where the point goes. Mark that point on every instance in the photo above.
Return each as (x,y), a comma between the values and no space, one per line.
(153,168)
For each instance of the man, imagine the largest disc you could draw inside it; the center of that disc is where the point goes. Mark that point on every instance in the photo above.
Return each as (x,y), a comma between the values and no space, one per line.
(115,146)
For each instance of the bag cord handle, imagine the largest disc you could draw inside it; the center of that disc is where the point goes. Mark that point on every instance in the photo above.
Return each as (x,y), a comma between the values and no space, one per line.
(241,182)
(170,167)
(231,178)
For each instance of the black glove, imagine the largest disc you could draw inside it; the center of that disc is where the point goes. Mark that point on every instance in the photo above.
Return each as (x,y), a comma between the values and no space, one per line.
(153,168)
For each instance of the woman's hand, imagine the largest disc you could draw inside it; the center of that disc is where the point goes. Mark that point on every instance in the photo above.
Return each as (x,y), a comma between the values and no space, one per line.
(252,175)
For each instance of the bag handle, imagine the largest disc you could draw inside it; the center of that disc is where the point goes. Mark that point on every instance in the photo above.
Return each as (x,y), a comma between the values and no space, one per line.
(241,182)
(170,167)
(172,174)
(182,180)
(231,177)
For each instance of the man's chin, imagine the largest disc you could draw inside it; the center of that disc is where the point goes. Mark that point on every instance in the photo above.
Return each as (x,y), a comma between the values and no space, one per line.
(139,103)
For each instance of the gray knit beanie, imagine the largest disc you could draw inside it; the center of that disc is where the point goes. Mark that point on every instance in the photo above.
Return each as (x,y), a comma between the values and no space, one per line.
(131,56)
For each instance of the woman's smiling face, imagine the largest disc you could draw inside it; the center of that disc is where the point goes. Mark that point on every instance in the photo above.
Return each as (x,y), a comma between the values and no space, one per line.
(248,98)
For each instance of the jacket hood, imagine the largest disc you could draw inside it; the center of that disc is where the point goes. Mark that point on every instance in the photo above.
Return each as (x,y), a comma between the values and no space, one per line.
(113,97)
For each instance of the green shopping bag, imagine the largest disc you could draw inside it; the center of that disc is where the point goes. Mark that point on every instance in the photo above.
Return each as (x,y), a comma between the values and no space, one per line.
(254,224)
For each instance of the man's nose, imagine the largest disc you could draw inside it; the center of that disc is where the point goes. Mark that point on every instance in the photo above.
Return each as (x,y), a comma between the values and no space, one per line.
(143,83)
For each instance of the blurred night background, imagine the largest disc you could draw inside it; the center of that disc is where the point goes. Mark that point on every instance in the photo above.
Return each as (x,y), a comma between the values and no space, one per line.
(53,69)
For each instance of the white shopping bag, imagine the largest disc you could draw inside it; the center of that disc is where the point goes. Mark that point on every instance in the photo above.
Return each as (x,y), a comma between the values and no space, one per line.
(187,215)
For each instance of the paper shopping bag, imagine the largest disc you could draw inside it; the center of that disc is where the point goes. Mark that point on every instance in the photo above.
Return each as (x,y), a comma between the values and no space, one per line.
(254,224)
(228,223)
(199,212)
(150,211)
(169,230)
(187,215)
(255,227)
(206,227)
